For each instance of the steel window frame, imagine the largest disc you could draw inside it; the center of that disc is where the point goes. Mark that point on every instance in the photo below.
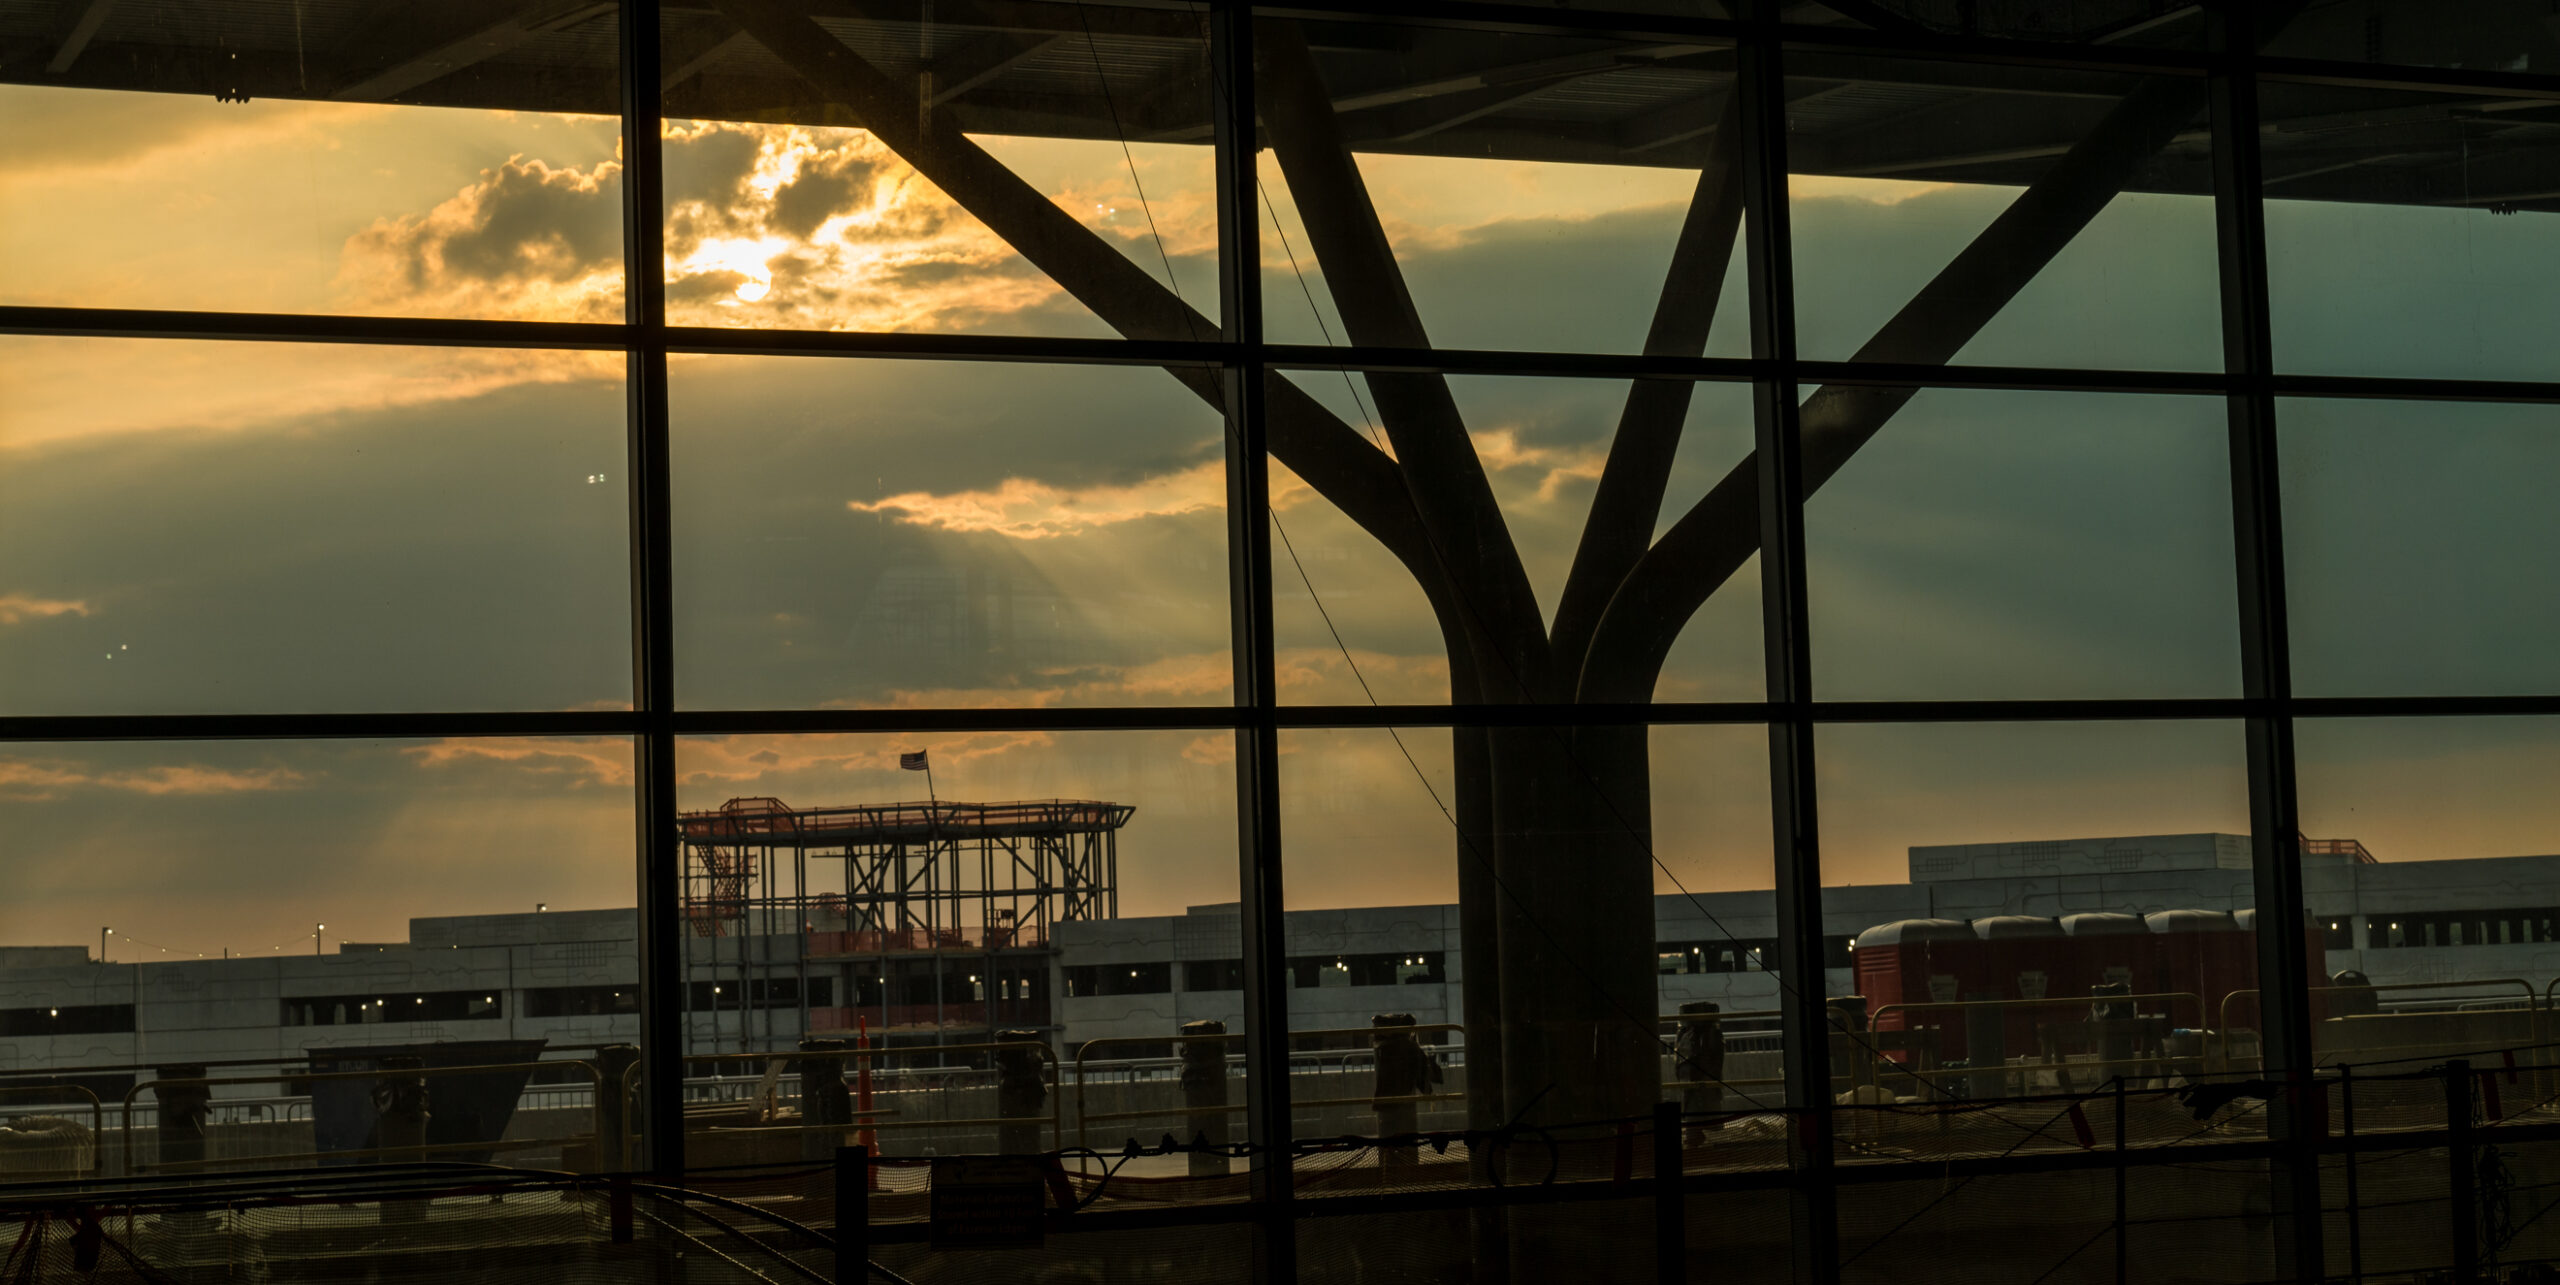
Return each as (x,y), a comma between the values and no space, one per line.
(2267,706)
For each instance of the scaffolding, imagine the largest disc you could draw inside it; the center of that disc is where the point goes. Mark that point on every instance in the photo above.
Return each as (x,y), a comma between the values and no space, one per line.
(792,886)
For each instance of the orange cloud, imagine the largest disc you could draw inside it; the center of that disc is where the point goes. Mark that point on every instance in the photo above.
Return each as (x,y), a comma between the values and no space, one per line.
(39,779)
(749,758)
(818,228)
(1024,509)
(16,607)
(525,241)
(1196,678)
(577,762)
(1501,451)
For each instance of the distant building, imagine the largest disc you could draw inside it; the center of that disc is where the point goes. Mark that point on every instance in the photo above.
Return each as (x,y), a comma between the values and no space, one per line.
(571,978)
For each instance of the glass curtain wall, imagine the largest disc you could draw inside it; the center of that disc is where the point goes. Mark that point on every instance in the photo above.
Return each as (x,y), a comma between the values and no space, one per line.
(1294,612)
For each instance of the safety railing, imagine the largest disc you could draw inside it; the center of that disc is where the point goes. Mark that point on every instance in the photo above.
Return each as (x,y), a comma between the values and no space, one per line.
(1086,1118)
(872,1121)
(97,1116)
(406,1152)
(2526,999)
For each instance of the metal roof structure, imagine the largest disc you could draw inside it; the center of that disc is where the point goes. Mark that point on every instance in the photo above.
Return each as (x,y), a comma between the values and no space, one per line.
(1141,73)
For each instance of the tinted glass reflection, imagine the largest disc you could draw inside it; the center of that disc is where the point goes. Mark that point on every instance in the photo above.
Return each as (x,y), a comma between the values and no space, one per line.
(833,169)
(1545,446)
(2415,547)
(1529,192)
(946,533)
(280,915)
(2001,545)
(2439,917)
(2409,233)
(265,157)
(2078,202)
(235,527)
(2024,910)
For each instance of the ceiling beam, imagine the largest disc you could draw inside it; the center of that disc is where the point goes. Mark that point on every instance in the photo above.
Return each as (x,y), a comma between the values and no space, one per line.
(984,59)
(686,55)
(423,42)
(76,24)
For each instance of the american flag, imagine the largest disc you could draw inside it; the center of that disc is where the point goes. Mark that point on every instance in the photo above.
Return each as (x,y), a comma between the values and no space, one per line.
(914,762)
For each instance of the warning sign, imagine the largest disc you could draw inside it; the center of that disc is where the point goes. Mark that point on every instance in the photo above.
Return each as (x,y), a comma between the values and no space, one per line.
(986,1202)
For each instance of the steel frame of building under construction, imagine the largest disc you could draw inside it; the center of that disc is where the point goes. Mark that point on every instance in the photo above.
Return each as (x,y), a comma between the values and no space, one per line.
(940,878)
(2226,65)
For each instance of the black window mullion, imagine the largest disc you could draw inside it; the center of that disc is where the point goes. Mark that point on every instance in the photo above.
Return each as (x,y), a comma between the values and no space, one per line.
(1794,829)
(2275,821)
(1264,918)
(652,611)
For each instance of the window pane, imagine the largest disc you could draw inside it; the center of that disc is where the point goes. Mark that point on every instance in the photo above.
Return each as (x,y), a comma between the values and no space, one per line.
(214,527)
(2079,202)
(1544,445)
(2158,24)
(458,161)
(1988,881)
(2004,545)
(877,171)
(2416,547)
(1533,190)
(2490,35)
(856,532)
(2441,923)
(284,917)
(1503,939)
(1008,888)
(2409,234)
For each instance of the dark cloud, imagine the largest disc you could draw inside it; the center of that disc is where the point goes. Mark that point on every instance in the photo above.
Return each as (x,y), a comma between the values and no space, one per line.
(522,222)
(534,221)
(448,556)
(821,192)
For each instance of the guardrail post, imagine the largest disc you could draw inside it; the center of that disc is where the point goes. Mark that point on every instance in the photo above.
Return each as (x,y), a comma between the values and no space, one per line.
(183,1100)
(826,1106)
(1404,1071)
(400,1124)
(613,1113)
(1204,1091)
(2462,1200)
(2355,1215)
(1021,1093)
(2123,1263)
(618,1208)
(853,1214)
(1670,1200)
(1697,1058)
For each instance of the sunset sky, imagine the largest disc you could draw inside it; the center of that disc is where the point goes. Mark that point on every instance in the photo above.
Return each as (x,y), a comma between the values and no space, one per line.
(215,527)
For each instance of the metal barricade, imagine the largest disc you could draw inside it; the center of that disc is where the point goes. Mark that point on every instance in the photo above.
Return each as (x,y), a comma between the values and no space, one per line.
(413,1152)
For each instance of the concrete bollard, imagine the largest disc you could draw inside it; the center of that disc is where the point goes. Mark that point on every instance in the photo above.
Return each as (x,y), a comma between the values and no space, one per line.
(1404,1071)
(1022,1094)
(1697,1056)
(2113,1014)
(1204,1092)
(401,1115)
(184,1100)
(1851,1057)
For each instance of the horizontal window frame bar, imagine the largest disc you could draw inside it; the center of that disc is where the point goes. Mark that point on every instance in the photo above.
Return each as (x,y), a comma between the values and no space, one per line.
(1933,46)
(1052,350)
(421,332)
(329,328)
(2411,77)
(69,728)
